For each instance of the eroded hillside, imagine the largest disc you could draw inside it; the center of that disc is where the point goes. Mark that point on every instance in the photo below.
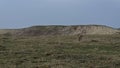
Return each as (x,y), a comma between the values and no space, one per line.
(61,30)
(67,30)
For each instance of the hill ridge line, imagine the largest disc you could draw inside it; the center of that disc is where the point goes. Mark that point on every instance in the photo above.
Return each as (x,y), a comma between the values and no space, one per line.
(61,30)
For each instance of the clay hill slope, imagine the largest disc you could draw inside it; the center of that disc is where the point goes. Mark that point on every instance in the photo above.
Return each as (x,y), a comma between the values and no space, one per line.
(66,30)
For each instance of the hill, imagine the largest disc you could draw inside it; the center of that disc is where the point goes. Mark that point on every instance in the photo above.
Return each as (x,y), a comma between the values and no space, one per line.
(61,30)
(3,31)
(66,30)
(35,51)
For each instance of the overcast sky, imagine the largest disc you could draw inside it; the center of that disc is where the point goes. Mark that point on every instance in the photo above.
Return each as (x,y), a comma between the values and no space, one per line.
(24,13)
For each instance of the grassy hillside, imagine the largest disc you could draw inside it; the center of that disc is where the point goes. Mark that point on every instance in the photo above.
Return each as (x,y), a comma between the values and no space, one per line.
(66,30)
(61,30)
(4,31)
(93,51)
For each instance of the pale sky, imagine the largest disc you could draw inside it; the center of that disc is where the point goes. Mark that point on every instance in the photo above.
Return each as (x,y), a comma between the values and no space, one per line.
(24,13)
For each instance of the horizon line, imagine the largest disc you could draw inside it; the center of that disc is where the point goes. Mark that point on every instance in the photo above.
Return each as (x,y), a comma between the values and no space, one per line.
(61,25)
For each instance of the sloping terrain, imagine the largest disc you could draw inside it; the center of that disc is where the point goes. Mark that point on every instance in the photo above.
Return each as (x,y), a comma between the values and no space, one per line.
(63,51)
(66,30)
(60,52)
(61,30)
(3,31)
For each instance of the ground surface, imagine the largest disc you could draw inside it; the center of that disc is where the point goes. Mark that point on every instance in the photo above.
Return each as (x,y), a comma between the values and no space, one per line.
(94,51)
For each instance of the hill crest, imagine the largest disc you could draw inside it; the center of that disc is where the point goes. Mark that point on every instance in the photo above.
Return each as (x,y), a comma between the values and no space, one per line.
(66,30)
(61,30)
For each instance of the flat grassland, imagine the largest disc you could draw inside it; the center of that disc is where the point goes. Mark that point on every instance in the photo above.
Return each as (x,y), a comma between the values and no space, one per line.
(93,51)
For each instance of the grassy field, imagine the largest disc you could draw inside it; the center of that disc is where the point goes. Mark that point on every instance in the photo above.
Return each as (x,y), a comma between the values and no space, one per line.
(93,51)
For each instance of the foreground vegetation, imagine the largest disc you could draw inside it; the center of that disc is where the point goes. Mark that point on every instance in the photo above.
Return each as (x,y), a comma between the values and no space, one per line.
(93,51)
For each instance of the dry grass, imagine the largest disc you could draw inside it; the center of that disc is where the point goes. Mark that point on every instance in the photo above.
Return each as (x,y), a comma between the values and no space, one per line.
(94,51)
